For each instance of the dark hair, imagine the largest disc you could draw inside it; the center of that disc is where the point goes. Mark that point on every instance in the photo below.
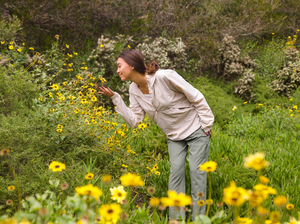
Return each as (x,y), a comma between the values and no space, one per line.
(135,59)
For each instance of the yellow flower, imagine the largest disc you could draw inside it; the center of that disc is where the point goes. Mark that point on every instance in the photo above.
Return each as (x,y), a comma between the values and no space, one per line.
(75,53)
(234,108)
(4,152)
(209,166)
(291,99)
(31,48)
(67,46)
(157,173)
(59,130)
(2,42)
(246,102)
(280,201)
(106,178)
(289,206)
(201,203)
(89,190)
(89,176)
(70,55)
(57,166)
(124,165)
(255,198)
(295,107)
(209,201)
(55,87)
(57,37)
(129,46)
(24,221)
(154,202)
(19,49)
(177,200)
(244,220)
(11,188)
(275,216)
(262,211)
(234,195)
(11,47)
(256,161)
(264,190)
(260,104)
(101,45)
(264,180)
(273,33)
(118,194)
(131,180)
(291,115)
(110,212)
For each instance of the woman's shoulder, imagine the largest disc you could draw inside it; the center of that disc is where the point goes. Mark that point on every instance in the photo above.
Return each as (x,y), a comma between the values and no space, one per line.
(162,73)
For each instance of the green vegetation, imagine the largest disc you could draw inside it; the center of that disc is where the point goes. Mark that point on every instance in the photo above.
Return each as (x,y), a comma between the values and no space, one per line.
(57,135)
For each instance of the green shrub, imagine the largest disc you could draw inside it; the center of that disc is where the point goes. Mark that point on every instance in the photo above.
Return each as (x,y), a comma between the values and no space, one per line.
(16,91)
(288,78)
(9,28)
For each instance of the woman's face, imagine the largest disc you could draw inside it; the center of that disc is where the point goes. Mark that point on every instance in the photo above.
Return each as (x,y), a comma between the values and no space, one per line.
(124,69)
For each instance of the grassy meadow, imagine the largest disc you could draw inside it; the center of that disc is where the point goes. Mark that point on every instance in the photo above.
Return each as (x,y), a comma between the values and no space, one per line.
(67,157)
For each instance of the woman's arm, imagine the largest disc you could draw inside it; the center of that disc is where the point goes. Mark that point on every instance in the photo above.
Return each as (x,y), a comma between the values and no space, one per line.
(133,115)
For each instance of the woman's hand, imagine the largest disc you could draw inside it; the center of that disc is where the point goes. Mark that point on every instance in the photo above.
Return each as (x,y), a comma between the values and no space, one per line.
(106,91)
(209,133)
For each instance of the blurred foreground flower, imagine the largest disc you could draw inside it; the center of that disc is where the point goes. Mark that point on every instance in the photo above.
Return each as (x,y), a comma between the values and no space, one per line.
(57,166)
(118,194)
(131,180)
(154,202)
(89,190)
(110,213)
(256,161)
(177,200)
(280,201)
(234,195)
(106,178)
(209,166)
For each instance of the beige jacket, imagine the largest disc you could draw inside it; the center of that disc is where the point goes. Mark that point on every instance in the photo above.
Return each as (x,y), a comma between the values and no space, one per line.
(177,107)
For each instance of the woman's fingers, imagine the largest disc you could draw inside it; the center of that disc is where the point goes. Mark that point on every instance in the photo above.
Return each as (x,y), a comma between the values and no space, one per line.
(106,91)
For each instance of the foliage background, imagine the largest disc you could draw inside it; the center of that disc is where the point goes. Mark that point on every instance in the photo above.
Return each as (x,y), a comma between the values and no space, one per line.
(269,123)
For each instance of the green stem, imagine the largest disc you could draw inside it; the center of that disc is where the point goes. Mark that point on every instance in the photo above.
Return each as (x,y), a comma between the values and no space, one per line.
(209,192)
(236,213)
(17,185)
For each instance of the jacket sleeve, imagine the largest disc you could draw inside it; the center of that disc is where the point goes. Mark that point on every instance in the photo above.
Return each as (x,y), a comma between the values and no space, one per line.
(177,83)
(132,115)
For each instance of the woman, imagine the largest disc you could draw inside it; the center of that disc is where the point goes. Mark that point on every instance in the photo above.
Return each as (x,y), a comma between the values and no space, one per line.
(179,109)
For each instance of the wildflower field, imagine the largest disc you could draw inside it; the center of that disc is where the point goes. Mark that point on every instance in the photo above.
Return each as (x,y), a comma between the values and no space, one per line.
(67,157)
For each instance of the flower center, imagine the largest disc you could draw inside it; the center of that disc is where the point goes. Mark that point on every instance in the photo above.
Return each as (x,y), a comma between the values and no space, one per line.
(57,166)
(110,211)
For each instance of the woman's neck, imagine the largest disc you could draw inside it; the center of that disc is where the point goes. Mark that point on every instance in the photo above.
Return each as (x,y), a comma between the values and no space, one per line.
(141,81)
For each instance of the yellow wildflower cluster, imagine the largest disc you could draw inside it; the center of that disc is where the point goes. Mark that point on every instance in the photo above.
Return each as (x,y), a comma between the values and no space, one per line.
(154,169)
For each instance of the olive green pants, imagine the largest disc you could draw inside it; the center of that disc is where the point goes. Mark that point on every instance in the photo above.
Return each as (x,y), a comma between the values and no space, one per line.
(198,146)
